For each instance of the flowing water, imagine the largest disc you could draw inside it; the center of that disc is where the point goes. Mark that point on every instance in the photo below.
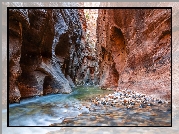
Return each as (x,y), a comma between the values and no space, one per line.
(45,110)
(76,109)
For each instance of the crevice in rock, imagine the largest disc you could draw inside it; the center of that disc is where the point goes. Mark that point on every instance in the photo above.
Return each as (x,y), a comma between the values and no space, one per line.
(54,50)
(139,49)
(118,48)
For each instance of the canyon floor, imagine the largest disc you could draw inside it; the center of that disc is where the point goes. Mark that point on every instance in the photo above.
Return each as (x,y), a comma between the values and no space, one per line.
(52,51)
(91,106)
(132,50)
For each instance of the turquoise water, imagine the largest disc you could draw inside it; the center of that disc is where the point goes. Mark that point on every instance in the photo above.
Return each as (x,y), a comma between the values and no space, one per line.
(76,109)
(87,92)
(45,110)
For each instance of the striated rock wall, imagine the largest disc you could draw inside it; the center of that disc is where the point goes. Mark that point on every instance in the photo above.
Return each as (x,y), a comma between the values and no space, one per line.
(134,48)
(15,44)
(49,51)
(87,72)
(44,51)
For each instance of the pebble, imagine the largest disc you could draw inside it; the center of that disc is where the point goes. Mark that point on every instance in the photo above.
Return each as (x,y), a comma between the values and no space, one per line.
(111,108)
(149,104)
(141,106)
(132,103)
(129,99)
(159,101)
(129,107)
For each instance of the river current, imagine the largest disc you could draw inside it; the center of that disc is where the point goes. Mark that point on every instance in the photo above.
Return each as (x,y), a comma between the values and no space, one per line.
(76,109)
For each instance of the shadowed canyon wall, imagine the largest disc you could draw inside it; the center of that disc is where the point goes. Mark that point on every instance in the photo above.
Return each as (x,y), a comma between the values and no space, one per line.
(49,51)
(87,74)
(134,48)
(45,51)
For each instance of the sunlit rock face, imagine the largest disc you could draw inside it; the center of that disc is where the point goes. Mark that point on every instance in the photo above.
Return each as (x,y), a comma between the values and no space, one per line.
(49,52)
(44,51)
(134,48)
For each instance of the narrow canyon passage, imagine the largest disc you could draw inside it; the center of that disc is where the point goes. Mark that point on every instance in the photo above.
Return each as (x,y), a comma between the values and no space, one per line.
(75,64)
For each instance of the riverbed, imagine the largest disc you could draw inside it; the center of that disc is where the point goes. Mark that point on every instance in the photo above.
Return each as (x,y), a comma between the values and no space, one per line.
(78,109)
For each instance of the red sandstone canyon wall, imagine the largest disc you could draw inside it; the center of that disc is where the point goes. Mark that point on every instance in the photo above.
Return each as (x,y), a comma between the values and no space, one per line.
(44,51)
(49,52)
(134,48)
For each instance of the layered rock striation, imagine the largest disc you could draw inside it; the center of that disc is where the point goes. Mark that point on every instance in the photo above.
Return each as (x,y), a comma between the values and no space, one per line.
(45,49)
(50,52)
(134,48)
(88,74)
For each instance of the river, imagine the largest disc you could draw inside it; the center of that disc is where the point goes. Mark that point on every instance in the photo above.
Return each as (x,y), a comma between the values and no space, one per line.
(76,109)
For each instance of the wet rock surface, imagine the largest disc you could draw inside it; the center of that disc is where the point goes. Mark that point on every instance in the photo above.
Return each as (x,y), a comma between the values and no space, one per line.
(49,109)
(76,130)
(122,108)
(51,52)
(91,106)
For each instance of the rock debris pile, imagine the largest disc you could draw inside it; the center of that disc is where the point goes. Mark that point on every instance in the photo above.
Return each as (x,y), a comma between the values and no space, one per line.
(128,99)
(122,108)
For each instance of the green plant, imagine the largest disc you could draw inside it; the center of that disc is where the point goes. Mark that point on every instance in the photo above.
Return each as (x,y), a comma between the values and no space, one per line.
(87,16)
